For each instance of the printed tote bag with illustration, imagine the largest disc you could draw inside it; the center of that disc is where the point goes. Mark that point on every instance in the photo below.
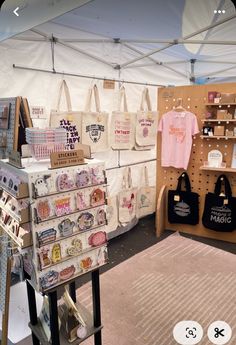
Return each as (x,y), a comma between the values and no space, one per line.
(127,199)
(146,124)
(112,214)
(183,206)
(122,125)
(220,207)
(70,120)
(94,124)
(146,197)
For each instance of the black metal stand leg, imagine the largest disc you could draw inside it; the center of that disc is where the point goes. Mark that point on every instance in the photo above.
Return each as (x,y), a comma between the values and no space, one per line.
(52,298)
(32,310)
(96,306)
(72,291)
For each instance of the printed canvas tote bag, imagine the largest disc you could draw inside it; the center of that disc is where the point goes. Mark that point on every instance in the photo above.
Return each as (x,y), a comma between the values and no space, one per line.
(183,206)
(146,124)
(95,124)
(122,125)
(146,197)
(70,120)
(127,199)
(220,207)
(112,213)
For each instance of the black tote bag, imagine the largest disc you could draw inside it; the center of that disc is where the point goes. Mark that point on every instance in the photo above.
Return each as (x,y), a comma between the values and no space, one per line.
(183,206)
(220,211)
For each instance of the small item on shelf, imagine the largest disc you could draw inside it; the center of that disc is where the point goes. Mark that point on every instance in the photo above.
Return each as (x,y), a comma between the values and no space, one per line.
(215,158)
(81,203)
(211,96)
(85,221)
(233,163)
(235,114)
(101,217)
(56,253)
(46,236)
(44,257)
(228,98)
(82,178)
(217,100)
(207,130)
(62,206)
(66,227)
(221,114)
(41,186)
(208,115)
(67,272)
(97,197)
(64,182)
(86,263)
(97,239)
(44,210)
(49,279)
(235,131)
(76,247)
(229,133)
(228,116)
(43,142)
(219,130)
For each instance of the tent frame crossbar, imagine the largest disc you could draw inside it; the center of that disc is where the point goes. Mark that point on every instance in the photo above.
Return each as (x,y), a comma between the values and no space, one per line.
(154,51)
(85,76)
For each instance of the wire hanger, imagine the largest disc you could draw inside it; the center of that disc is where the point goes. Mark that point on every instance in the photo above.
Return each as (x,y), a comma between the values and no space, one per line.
(179,106)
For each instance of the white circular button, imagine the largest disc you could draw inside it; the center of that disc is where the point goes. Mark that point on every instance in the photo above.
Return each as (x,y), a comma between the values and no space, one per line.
(188,332)
(219,332)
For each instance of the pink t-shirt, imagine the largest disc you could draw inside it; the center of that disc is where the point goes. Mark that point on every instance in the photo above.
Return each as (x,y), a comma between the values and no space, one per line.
(177,130)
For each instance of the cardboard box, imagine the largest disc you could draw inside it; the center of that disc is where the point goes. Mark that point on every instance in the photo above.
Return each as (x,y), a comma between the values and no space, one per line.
(229,133)
(228,98)
(228,116)
(219,130)
(221,113)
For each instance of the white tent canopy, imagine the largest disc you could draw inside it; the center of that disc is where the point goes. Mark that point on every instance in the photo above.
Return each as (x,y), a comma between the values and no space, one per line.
(141,41)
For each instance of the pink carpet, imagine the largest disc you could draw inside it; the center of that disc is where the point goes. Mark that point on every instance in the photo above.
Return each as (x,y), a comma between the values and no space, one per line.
(177,279)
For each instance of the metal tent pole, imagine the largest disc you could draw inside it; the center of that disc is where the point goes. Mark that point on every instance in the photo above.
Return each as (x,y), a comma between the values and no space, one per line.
(85,76)
(154,51)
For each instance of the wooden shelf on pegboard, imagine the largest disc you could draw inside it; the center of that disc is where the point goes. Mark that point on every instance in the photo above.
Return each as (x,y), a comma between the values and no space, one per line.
(218,137)
(219,120)
(231,170)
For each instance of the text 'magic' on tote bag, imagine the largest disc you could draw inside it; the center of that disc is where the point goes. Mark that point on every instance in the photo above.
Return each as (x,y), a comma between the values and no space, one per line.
(183,206)
(146,197)
(127,199)
(95,124)
(70,120)
(146,124)
(122,125)
(220,207)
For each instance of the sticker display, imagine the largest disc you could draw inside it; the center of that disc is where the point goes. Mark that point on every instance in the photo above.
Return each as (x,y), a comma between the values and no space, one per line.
(76,247)
(44,257)
(67,272)
(46,236)
(62,206)
(56,253)
(49,279)
(66,227)
(44,210)
(85,221)
(97,175)
(82,199)
(41,186)
(64,182)
(82,179)
(97,239)
(97,197)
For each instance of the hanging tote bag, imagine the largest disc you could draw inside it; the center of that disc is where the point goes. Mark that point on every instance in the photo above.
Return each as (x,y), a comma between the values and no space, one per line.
(146,197)
(127,199)
(220,210)
(122,125)
(95,124)
(70,120)
(183,206)
(146,124)
(112,214)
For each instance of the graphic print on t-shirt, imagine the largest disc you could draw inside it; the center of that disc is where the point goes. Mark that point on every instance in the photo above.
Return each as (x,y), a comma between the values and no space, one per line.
(179,133)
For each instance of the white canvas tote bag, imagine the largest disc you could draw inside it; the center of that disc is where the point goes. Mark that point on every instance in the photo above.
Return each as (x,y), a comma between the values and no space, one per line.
(122,125)
(95,124)
(112,213)
(70,120)
(146,124)
(127,199)
(146,196)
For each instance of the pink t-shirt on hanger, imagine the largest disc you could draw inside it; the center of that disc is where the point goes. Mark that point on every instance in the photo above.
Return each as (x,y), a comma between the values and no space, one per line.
(177,130)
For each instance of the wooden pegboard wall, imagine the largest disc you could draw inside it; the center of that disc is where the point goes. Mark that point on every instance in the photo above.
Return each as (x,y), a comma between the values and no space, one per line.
(194,98)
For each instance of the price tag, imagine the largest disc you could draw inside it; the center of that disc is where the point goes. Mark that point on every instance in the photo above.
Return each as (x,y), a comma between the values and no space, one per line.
(226,201)
(176,198)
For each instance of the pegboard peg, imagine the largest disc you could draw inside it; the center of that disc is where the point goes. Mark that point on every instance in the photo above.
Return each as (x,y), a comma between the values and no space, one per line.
(227,122)
(188,106)
(219,106)
(173,99)
(228,105)
(189,99)
(222,179)
(218,122)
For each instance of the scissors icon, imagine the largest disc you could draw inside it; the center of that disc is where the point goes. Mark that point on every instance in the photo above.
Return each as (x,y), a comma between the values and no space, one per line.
(218,332)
